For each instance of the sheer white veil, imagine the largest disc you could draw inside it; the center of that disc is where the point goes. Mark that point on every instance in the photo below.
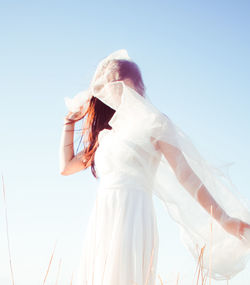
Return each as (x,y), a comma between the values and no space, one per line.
(98,83)
(229,254)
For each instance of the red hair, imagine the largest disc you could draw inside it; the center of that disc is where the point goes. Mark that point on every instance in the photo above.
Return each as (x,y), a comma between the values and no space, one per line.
(98,114)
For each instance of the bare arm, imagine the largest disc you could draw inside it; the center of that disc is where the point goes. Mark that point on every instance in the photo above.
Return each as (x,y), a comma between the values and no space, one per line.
(69,162)
(189,179)
(174,156)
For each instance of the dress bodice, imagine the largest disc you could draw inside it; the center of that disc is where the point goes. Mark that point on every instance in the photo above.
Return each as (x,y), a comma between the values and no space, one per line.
(119,163)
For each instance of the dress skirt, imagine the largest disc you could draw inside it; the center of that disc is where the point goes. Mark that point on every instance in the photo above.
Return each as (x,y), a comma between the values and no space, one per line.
(121,241)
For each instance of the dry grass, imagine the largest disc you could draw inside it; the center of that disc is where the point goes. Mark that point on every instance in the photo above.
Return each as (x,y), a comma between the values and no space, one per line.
(50,262)
(7,232)
(200,279)
(58,271)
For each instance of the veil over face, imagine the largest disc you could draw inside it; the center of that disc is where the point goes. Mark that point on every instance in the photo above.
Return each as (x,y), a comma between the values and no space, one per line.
(106,73)
(136,123)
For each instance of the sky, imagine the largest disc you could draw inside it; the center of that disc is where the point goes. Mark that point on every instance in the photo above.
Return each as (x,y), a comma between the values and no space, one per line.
(194,59)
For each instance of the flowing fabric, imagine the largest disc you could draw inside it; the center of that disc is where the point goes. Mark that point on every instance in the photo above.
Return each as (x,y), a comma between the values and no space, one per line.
(121,242)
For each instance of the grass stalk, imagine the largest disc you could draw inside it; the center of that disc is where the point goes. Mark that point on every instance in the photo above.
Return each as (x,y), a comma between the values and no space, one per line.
(50,261)
(7,233)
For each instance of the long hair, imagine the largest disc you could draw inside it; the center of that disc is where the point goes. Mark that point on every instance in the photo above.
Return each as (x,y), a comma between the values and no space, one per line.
(98,114)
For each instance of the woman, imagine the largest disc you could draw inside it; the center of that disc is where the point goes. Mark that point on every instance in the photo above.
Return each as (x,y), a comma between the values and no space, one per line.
(136,151)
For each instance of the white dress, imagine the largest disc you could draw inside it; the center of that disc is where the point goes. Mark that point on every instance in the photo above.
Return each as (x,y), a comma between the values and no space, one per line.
(121,241)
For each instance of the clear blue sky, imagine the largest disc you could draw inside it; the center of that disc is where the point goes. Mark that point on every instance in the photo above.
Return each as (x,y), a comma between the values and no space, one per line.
(194,58)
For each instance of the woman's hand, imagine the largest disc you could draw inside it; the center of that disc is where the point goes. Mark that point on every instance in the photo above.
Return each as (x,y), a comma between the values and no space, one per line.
(74,116)
(235,227)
